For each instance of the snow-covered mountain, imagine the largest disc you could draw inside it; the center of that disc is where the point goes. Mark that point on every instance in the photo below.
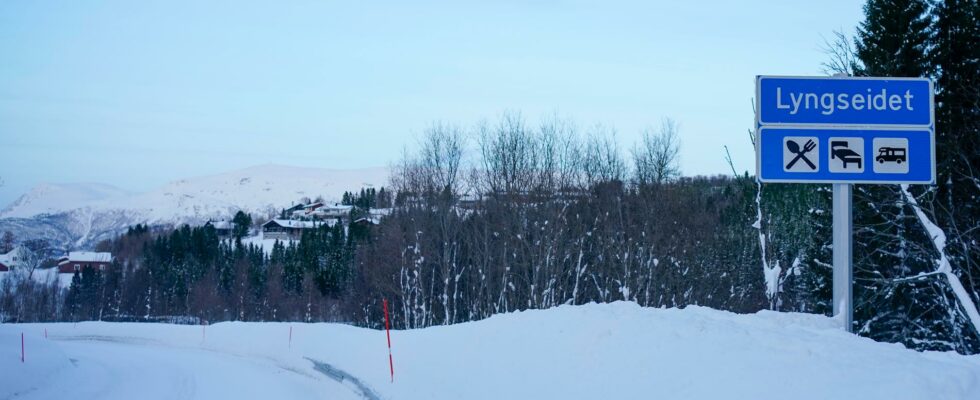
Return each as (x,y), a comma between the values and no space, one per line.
(79,215)
(51,198)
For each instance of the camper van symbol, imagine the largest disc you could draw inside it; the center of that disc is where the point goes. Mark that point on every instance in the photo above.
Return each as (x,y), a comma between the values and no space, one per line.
(891,154)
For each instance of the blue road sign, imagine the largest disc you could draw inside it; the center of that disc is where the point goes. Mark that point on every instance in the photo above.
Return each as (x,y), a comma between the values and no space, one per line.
(845,130)
(866,102)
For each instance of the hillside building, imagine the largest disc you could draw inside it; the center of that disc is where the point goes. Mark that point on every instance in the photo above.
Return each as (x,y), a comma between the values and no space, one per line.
(286,229)
(10,260)
(76,261)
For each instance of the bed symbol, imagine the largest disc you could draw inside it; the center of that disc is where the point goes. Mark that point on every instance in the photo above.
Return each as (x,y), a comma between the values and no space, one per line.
(840,150)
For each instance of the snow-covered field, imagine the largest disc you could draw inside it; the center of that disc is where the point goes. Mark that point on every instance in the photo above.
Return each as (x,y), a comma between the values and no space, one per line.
(260,241)
(42,276)
(574,352)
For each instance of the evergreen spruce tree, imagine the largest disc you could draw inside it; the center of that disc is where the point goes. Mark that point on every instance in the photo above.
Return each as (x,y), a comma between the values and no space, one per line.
(111,287)
(957,56)
(894,38)
(383,201)
(797,224)
(954,204)
(72,300)
(907,38)
(90,288)
(292,271)
(243,222)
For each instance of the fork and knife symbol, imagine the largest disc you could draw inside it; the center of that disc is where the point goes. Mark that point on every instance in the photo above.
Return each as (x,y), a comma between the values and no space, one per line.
(794,148)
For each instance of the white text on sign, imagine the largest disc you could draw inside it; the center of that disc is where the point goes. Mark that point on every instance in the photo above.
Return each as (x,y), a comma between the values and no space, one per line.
(827,103)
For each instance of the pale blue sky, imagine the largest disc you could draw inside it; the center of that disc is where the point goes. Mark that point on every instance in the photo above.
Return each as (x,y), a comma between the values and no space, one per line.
(137,93)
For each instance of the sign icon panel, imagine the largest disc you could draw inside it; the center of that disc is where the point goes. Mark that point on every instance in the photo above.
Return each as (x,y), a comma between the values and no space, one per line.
(891,155)
(846,155)
(906,155)
(800,154)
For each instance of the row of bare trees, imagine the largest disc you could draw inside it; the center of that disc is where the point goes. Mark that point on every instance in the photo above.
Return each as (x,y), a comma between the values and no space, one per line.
(512,157)
(509,216)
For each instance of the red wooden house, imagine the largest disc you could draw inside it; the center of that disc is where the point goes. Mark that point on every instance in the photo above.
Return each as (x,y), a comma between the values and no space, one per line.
(79,260)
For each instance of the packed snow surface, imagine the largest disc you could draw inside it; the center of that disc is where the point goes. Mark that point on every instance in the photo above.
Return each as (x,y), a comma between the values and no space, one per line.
(44,276)
(617,350)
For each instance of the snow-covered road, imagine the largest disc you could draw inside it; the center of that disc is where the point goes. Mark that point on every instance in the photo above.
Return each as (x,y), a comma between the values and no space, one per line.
(106,368)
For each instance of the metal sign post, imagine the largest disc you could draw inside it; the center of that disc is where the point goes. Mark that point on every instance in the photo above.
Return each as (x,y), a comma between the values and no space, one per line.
(843,256)
(845,130)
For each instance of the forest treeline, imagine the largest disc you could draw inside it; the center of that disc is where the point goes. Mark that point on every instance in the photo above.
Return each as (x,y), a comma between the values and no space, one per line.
(510,215)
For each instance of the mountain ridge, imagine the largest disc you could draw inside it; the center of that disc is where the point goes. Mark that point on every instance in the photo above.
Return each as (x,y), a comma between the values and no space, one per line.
(78,215)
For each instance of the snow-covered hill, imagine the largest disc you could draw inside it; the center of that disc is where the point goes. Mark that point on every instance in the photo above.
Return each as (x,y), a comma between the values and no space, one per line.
(52,198)
(78,215)
(595,351)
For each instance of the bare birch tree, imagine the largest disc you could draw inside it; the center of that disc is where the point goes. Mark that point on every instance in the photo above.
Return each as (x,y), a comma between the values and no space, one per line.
(657,157)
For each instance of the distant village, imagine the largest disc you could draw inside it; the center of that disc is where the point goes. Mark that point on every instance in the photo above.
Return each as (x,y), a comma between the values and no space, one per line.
(355,209)
(295,220)
(74,261)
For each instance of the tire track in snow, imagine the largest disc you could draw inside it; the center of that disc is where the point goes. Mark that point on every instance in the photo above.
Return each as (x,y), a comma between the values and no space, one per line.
(343,377)
(184,385)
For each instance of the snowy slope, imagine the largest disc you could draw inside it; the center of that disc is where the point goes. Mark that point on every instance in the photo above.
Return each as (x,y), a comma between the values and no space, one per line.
(44,276)
(50,198)
(253,189)
(573,352)
(79,215)
(256,189)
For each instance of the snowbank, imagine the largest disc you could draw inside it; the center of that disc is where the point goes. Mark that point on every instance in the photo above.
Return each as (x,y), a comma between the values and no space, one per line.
(583,352)
(43,363)
(43,276)
(259,240)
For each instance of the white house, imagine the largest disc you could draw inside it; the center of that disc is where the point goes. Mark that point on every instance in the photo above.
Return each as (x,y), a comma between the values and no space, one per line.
(334,211)
(11,259)
(319,210)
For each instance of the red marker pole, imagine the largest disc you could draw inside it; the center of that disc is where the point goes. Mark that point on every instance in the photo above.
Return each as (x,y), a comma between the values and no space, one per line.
(391,361)
(22,347)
